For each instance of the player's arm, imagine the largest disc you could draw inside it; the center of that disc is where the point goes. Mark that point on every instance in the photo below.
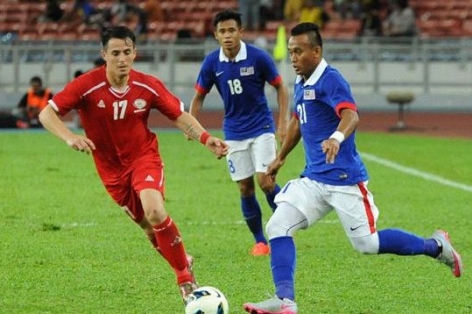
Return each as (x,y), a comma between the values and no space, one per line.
(291,140)
(282,101)
(196,104)
(51,121)
(347,125)
(192,128)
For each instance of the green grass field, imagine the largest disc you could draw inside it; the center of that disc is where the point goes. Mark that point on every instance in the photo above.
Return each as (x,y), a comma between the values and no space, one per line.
(67,248)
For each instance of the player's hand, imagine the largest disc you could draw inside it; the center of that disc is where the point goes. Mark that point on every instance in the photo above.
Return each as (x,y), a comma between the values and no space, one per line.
(273,168)
(331,148)
(81,143)
(217,147)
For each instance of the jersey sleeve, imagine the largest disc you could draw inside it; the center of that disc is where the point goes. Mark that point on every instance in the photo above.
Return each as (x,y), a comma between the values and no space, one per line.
(269,69)
(167,103)
(205,78)
(67,99)
(340,95)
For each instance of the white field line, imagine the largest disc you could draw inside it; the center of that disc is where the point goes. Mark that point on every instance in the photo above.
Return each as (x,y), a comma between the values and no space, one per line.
(79,225)
(415,172)
(242,222)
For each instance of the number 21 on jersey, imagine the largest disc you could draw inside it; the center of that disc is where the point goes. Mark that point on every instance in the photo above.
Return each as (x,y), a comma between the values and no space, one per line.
(301,113)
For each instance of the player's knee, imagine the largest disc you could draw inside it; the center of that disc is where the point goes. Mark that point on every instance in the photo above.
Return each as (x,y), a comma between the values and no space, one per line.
(366,245)
(276,228)
(155,216)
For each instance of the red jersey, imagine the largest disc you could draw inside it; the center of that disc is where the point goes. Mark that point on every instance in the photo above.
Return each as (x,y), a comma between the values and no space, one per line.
(116,121)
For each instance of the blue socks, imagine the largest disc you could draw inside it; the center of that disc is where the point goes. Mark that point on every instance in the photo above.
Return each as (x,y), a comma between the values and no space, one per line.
(282,262)
(400,242)
(270,197)
(253,216)
(395,241)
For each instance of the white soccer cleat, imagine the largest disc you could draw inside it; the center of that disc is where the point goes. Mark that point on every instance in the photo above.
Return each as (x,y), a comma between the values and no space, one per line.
(448,256)
(272,306)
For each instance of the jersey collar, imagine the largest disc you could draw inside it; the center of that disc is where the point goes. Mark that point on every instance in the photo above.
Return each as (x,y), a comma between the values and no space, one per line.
(242,54)
(315,76)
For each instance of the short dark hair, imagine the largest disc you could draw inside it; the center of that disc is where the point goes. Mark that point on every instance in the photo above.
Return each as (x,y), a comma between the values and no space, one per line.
(227,15)
(312,30)
(36,79)
(121,32)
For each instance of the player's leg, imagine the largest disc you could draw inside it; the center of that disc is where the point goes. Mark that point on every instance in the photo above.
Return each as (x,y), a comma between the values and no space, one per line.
(253,216)
(263,151)
(359,221)
(148,186)
(149,232)
(299,206)
(285,221)
(129,200)
(241,169)
(168,238)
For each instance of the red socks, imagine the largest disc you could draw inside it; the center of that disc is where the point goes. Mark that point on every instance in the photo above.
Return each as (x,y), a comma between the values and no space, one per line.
(172,249)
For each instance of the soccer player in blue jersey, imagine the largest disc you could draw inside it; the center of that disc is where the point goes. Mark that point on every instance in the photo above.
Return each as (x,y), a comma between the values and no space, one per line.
(334,178)
(239,71)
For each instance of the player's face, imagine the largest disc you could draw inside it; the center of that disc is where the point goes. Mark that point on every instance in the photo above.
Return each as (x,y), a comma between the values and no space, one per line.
(303,55)
(228,34)
(119,55)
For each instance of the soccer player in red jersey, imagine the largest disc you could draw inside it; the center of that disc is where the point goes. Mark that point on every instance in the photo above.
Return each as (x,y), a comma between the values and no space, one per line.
(114,102)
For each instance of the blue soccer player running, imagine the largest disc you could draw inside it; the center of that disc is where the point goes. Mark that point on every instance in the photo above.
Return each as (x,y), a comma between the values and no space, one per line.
(335,178)
(240,71)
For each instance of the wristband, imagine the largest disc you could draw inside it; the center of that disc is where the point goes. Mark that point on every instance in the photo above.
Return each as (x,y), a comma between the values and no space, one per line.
(338,136)
(204,137)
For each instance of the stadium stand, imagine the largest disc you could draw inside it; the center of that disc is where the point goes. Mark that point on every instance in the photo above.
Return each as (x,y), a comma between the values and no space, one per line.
(435,18)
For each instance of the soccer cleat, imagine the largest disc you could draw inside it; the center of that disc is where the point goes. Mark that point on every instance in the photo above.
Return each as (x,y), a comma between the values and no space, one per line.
(260,249)
(272,306)
(186,289)
(448,256)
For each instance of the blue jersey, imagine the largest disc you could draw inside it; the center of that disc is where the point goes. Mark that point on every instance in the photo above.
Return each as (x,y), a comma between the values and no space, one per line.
(318,103)
(241,84)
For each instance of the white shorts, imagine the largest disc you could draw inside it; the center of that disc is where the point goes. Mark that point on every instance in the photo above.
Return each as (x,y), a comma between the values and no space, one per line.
(354,204)
(251,155)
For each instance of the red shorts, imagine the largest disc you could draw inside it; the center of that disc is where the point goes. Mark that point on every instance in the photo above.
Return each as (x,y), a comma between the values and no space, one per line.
(146,175)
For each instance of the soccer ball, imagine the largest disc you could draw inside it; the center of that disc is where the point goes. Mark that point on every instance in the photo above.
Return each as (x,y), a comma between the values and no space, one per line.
(207,300)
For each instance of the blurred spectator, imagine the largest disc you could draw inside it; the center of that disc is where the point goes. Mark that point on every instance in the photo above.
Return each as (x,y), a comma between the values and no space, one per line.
(98,62)
(371,22)
(312,13)
(52,13)
(33,102)
(124,13)
(401,21)
(292,10)
(154,11)
(9,120)
(265,13)
(83,12)
(330,10)
(250,14)
(348,9)
(78,73)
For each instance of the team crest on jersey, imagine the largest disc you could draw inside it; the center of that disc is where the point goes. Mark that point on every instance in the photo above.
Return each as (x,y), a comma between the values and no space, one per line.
(246,71)
(139,104)
(101,104)
(309,94)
